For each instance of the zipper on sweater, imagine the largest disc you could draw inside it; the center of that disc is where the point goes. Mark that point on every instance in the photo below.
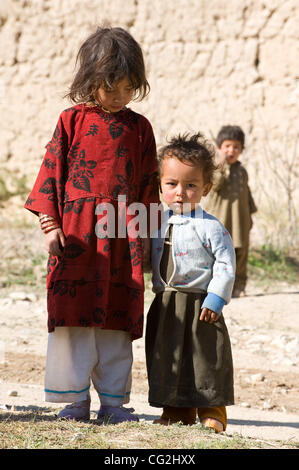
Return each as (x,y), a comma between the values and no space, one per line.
(173,257)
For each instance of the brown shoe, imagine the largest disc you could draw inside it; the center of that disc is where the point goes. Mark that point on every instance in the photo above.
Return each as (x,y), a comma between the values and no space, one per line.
(171,415)
(213,424)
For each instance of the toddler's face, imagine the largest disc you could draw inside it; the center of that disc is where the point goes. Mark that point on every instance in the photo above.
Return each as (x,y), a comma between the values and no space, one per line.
(231,150)
(182,184)
(115,98)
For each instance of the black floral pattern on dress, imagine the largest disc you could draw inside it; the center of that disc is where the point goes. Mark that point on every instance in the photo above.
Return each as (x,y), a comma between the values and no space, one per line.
(52,261)
(126,185)
(121,151)
(118,121)
(60,322)
(48,186)
(29,201)
(93,130)
(55,146)
(108,244)
(134,252)
(80,170)
(84,322)
(66,287)
(77,205)
(116,129)
(120,314)
(99,292)
(49,163)
(54,189)
(133,293)
(99,316)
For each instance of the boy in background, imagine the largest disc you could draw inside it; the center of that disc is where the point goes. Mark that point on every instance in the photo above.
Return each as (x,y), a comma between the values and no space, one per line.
(231,200)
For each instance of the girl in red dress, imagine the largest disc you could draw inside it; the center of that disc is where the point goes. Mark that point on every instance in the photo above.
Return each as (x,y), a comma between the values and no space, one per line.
(101,152)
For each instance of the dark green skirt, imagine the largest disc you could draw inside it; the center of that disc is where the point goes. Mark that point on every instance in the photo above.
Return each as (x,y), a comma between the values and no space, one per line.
(189,362)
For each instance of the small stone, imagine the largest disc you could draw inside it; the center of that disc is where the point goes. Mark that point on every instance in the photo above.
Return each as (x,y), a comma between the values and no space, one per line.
(20,295)
(259,339)
(267,405)
(77,436)
(292,345)
(257,377)
(245,404)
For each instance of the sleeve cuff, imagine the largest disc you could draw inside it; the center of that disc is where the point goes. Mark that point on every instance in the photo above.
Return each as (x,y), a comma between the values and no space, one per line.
(214,302)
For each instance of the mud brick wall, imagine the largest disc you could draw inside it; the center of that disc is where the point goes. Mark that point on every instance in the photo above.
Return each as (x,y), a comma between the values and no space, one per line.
(209,63)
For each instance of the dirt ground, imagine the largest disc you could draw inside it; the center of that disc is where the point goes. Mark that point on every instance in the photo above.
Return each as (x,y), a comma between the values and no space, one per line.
(264,334)
(264,331)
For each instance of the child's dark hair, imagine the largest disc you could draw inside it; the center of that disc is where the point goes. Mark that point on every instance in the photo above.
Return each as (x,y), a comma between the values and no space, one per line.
(194,149)
(108,56)
(230,133)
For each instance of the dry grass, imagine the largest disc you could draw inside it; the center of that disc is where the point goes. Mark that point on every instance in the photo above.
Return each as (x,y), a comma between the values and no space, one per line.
(42,430)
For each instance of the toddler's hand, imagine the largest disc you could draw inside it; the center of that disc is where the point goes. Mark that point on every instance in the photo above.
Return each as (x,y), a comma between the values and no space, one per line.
(208,315)
(55,242)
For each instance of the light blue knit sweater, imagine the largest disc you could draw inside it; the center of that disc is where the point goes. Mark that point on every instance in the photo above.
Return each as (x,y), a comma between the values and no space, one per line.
(203,256)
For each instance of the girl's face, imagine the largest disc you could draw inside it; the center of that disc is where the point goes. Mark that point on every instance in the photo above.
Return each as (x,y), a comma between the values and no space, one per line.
(116,98)
(182,184)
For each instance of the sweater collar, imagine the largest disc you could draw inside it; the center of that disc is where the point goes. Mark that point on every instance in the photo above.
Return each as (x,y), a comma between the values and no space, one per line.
(180,219)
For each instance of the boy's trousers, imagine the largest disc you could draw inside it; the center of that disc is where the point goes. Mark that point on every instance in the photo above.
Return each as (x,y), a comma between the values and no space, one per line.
(241,266)
(77,355)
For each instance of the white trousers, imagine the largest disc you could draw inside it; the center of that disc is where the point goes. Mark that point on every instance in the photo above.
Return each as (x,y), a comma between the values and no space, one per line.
(76,355)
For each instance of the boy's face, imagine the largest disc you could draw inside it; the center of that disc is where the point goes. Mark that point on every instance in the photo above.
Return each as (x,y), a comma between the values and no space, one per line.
(231,150)
(182,184)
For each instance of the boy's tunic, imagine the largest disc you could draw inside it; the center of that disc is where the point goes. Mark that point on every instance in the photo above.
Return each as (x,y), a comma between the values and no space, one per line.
(94,157)
(232,203)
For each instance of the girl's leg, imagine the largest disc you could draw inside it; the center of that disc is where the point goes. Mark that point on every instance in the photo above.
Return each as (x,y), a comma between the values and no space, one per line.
(213,417)
(112,374)
(71,356)
(173,414)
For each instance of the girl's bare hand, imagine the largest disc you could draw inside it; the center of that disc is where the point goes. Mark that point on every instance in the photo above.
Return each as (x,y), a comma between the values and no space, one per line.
(208,315)
(55,242)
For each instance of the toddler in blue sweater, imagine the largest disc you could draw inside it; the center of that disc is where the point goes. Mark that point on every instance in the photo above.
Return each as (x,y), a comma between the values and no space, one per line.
(188,352)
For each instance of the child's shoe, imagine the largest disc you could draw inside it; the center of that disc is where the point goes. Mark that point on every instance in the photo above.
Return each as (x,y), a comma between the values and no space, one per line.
(213,424)
(79,410)
(172,415)
(116,414)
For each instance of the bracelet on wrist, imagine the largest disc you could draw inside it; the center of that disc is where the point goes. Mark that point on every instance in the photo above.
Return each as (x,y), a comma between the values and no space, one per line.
(49,229)
(47,223)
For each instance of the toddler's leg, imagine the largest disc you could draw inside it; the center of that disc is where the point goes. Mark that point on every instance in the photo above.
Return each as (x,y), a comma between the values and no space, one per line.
(213,417)
(112,374)
(173,415)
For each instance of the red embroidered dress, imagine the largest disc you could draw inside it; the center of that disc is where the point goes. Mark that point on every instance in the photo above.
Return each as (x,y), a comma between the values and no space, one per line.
(93,157)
